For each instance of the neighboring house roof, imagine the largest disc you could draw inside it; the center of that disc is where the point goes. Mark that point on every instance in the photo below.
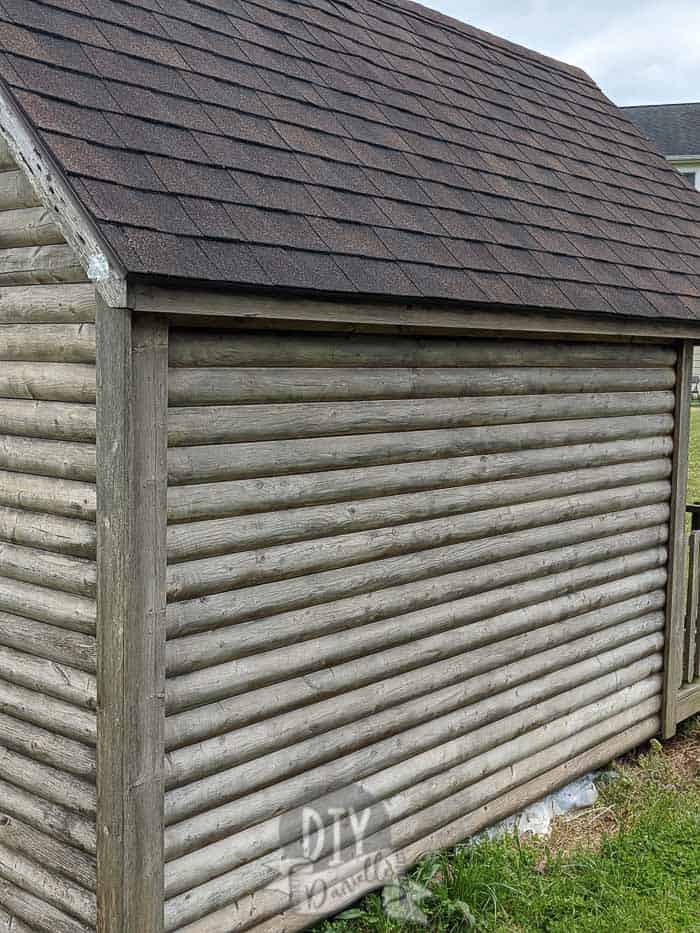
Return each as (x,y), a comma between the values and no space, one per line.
(371,148)
(673,128)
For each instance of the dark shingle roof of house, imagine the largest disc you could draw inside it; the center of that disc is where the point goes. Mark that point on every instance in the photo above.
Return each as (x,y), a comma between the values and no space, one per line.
(365,148)
(673,128)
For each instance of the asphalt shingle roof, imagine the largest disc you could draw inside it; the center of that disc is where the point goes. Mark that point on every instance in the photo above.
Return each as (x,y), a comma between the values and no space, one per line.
(366,148)
(673,128)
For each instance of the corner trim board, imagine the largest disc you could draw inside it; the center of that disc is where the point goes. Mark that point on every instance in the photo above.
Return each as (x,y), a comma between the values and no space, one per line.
(132,355)
(675,592)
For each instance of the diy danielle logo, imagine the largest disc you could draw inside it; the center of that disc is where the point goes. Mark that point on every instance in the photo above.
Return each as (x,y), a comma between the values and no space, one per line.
(334,849)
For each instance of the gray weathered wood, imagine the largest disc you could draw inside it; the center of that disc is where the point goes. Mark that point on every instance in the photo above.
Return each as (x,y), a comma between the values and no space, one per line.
(492,585)
(65,610)
(215,463)
(52,343)
(192,873)
(46,494)
(48,712)
(56,382)
(204,799)
(313,589)
(469,706)
(240,497)
(12,924)
(48,641)
(57,571)
(228,572)
(47,458)
(37,912)
(692,610)
(191,348)
(50,420)
(56,856)
(442,625)
(48,748)
(132,403)
(427,320)
(48,677)
(208,385)
(67,790)
(40,265)
(676,562)
(47,532)
(413,812)
(48,304)
(27,873)
(7,163)
(233,714)
(61,823)
(240,423)
(198,540)
(16,192)
(32,226)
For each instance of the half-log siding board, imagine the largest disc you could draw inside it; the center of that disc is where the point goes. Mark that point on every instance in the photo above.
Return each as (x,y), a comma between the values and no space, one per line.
(48,688)
(387,558)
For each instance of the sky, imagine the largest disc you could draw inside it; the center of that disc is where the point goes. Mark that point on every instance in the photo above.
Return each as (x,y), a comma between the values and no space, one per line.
(639,51)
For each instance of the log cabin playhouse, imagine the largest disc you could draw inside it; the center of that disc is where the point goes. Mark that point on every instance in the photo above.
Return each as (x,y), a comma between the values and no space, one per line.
(344,427)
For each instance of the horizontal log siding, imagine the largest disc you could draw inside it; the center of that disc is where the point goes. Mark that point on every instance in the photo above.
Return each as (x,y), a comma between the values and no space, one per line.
(47,573)
(434,567)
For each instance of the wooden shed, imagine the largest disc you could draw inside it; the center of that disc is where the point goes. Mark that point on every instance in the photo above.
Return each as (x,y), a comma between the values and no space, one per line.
(346,353)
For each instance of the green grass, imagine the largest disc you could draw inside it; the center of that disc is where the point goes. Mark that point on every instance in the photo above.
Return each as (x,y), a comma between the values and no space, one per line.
(694,456)
(642,876)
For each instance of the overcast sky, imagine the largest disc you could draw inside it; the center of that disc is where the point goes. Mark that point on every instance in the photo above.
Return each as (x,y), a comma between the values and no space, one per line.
(639,51)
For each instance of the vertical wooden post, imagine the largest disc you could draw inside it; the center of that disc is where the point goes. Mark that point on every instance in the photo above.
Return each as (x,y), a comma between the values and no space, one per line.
(132,368)
(676,557)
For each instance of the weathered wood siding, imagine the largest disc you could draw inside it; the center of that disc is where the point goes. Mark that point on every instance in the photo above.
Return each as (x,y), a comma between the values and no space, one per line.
(47,572)
(436,567)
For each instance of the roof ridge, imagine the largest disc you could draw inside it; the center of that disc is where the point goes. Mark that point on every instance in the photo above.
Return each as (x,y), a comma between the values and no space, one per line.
(421,11)
(688,103)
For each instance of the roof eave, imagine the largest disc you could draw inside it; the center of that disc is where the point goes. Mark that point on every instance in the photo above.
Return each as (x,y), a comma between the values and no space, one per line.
(184,300)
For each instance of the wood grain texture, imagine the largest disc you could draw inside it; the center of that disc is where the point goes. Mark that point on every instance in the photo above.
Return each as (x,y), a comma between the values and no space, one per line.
(209,385)
(195,348)
(50,343)
(40,265)
(207,795)
(222,609)
(230,572)
(48,304)
(48,641)
(16,191)
(193,503)
(66,860)
(220,462)
(34,226)
(132,401)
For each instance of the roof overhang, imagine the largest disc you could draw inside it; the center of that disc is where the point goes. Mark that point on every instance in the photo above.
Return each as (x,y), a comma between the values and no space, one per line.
(254,309)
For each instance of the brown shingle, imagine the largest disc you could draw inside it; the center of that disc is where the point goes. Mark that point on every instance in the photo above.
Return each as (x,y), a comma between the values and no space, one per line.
(351,148)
